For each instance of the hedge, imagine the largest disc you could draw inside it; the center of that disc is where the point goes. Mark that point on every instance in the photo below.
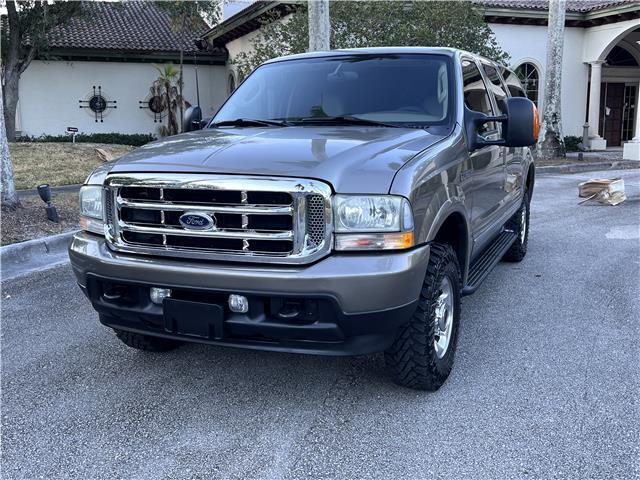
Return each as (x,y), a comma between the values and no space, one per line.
(571,143)
(134,139)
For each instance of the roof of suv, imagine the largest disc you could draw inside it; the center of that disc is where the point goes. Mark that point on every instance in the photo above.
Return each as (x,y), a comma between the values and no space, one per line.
(377,51)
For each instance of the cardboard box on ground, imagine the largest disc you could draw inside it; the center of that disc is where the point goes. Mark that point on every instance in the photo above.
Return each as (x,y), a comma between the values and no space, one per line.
(605,191)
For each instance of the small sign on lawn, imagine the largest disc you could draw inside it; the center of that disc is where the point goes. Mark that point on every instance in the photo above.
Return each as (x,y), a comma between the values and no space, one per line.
(73,131)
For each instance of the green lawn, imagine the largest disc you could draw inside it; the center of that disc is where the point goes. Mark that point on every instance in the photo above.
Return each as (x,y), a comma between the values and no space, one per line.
(57,163)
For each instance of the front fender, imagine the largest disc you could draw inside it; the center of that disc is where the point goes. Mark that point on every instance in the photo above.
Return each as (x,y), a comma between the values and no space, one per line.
(432,183)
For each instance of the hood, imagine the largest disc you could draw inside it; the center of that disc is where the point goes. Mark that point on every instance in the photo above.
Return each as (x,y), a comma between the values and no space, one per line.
(353,159)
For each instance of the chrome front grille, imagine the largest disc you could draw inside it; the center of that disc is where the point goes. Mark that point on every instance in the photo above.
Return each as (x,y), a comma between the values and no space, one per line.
(267,219)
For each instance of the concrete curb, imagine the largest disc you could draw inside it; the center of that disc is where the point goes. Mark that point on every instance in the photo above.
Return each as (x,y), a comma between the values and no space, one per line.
(588,167)
(31,192)
(38,254)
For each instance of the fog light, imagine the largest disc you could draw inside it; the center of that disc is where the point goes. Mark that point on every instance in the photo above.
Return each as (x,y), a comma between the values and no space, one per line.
(159,294)
(238,303)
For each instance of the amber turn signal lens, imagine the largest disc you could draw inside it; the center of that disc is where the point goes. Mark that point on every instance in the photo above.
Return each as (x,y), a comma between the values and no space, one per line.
(375,241)
(400,240)
(536,123)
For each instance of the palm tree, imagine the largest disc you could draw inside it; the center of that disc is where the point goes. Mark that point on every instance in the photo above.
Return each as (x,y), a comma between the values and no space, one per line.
(166,87)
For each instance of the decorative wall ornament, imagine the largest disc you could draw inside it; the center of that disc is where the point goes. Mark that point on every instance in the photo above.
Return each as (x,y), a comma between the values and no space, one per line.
(154,106)
(98,103)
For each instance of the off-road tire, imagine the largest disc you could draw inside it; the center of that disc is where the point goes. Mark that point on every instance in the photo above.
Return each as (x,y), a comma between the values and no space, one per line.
(519,248)
(146,342)
(412,357)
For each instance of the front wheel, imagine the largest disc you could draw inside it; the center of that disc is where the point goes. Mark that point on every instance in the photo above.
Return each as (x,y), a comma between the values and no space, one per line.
(421,356)
(519,224)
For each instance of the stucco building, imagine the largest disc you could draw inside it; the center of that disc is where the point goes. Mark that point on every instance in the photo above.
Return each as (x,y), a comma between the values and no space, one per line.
(97,74)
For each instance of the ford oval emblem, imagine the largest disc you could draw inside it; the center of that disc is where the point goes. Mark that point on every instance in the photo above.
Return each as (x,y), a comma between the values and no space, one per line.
(197,221)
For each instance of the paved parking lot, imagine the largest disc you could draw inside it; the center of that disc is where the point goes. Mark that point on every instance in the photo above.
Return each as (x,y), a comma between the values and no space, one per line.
(546,382)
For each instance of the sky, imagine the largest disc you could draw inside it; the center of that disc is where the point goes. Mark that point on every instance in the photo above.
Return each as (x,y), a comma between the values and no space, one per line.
(231,7)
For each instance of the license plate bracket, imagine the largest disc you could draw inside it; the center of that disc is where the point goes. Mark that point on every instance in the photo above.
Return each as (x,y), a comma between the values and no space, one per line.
(194,319)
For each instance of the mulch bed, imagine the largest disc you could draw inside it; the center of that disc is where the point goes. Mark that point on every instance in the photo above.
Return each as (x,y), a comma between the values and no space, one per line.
(30,220)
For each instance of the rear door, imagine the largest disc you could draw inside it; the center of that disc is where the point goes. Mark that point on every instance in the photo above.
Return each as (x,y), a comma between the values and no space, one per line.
(484,189)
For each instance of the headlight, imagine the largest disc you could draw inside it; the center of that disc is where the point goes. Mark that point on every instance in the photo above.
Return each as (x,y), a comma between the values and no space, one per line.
(372,222)
(91,211)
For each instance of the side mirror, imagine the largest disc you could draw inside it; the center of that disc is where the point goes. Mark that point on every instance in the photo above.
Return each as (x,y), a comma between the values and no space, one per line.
(523,124)
(205,121)
(520,126)
(192,119)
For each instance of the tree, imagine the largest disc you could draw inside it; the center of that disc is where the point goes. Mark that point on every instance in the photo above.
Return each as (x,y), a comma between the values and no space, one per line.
(187,16)
(26,36)
(8,193)
(374,24)
(319,25)
(551,142)
(165,87)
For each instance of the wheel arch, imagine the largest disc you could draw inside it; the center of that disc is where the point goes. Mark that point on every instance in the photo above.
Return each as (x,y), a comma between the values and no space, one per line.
(530,179)
(452,228)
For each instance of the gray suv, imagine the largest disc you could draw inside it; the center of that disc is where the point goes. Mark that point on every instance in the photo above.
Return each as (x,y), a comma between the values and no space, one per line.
(339,203)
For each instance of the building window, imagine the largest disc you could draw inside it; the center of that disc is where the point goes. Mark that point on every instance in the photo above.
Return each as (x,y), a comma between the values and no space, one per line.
(232,83)
(530,78)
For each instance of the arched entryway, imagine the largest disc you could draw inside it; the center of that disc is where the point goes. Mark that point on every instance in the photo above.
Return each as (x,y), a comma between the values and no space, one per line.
(614,86)
(619,92)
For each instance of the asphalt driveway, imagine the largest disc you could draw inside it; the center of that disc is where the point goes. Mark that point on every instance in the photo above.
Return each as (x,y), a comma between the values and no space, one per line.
(546,382)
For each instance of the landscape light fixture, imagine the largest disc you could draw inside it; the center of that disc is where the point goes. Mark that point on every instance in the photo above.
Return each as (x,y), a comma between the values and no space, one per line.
(44,191)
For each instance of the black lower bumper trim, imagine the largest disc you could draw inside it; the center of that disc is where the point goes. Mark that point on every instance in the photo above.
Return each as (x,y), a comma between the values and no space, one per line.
(319,327)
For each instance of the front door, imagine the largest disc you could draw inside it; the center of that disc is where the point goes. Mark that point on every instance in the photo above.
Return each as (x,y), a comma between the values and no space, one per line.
(485,188)
(611,113)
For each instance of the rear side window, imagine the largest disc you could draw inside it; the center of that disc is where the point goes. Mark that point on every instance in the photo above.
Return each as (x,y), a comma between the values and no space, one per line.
(476,96)
(497,87)
(513,83)
(516,91)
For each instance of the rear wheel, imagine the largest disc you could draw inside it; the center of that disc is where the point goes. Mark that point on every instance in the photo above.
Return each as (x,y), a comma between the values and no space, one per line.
(422,353)
(146,342)
(519,224)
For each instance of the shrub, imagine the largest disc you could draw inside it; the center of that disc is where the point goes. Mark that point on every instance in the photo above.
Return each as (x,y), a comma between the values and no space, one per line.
(571,143)
(133,139)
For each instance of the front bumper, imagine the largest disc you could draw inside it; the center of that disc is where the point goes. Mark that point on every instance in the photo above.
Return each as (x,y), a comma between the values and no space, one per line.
(352,303)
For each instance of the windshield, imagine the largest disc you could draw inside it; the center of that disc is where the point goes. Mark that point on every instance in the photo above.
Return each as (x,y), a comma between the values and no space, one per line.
(404,90)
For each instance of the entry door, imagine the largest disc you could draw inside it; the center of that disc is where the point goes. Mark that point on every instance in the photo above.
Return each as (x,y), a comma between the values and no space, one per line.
(611,113)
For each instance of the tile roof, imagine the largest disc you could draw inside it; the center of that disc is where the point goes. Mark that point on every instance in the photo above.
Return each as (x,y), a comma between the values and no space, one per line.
(132,26)
(578,6)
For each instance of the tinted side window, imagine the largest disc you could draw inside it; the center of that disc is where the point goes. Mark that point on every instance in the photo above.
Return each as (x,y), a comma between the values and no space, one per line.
(513,83)
(497,87)
(476,96)
(516,91)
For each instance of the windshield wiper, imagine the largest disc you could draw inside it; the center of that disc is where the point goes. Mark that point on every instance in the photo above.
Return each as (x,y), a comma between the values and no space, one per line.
(344,120)
(248,122)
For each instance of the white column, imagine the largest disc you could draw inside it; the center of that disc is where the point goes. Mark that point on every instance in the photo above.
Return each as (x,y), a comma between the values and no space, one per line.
(631,150)
(596,142)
